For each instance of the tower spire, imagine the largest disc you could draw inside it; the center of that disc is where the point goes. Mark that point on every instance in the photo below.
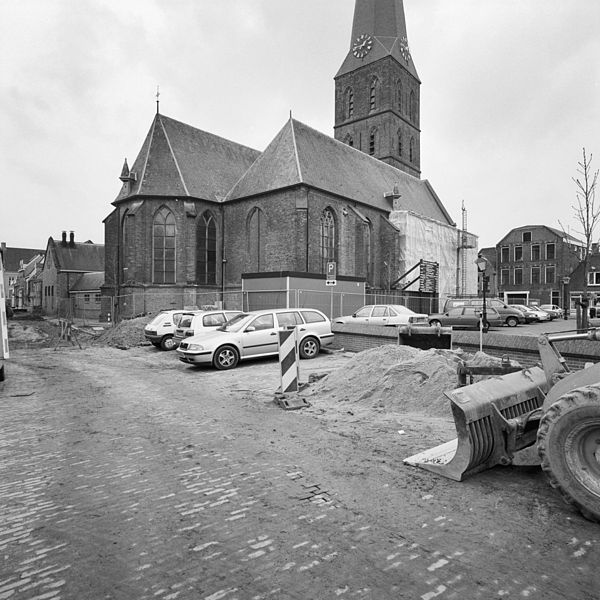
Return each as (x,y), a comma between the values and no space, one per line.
(157,100)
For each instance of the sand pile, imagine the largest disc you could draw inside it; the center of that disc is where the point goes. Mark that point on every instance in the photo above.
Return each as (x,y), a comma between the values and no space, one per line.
(395,379)
(126,334)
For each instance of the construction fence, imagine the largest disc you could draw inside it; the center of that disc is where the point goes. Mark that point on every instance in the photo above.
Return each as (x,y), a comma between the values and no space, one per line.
(333,304)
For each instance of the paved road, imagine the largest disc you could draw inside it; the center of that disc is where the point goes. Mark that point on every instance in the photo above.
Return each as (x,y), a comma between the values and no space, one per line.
(126,478)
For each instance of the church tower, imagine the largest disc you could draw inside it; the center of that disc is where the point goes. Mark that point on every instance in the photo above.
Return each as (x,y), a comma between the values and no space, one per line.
(377,88)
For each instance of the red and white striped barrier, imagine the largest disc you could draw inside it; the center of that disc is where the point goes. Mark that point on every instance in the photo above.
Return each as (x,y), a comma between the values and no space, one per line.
(289,360)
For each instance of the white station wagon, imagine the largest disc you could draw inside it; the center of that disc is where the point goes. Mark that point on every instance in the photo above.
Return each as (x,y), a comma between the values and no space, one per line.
(255,334)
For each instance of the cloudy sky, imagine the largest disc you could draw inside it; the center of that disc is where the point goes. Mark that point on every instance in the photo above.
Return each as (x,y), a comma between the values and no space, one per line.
(510,95)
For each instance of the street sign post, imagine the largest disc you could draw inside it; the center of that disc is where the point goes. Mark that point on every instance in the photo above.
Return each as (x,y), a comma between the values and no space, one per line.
(331,273)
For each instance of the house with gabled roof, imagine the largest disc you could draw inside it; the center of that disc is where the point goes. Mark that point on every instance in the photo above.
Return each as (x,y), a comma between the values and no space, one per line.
(14,259)
(532,262)
(196,212)
(65,262)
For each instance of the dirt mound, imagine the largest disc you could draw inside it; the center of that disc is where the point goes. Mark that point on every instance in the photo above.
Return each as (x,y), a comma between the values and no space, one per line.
(395,379)
(126,334)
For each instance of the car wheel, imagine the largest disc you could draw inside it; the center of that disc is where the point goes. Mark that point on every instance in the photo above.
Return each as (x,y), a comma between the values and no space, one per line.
(226,357)
(309,347)
(167,343)
(512,321)
(435,323)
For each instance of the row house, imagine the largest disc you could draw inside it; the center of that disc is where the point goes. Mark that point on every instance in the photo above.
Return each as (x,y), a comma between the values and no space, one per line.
(533,262)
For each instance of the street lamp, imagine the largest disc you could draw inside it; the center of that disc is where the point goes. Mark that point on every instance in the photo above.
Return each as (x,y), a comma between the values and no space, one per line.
(482,265)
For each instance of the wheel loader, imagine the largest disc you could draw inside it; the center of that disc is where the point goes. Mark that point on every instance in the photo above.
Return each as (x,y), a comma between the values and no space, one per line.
(549,406)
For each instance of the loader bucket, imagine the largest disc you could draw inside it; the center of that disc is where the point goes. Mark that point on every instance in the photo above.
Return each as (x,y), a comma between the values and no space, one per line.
(481,414)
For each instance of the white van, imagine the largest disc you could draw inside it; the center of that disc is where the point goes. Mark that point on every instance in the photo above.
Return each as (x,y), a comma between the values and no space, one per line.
(160,331)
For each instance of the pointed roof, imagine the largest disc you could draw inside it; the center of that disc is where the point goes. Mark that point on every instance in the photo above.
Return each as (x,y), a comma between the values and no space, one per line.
(385,22)
(301,155)
(76,257)
(179,160)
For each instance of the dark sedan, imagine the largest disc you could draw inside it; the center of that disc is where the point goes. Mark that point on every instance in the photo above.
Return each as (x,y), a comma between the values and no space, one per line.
(466,317)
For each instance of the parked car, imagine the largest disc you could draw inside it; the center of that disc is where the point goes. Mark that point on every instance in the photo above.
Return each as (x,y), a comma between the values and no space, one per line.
(196,323)
(530,315)
(385,314)
(542,315)
(511,316)
(251,335)
(555,312)
(161,329)
(466,317)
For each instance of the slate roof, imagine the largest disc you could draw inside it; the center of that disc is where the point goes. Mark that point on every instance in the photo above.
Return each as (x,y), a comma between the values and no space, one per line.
(88,282)
(302,155)
(384,20)
(179,160)
(80,257)
(13,256)
(557,232)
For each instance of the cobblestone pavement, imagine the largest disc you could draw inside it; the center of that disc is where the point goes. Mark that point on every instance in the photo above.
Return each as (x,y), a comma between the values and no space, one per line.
(119,480)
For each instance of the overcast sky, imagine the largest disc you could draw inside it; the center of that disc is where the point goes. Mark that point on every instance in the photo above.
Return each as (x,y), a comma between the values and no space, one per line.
(510,95)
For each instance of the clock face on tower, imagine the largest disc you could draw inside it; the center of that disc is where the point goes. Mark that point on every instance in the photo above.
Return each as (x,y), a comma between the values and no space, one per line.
(362,45)
(404,49)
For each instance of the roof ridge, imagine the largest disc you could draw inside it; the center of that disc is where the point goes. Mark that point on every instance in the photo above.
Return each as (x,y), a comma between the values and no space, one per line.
(187,193)
(143,173)
(296,150)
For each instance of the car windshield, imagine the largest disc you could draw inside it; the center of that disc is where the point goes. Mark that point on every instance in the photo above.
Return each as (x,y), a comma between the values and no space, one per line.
(235,324)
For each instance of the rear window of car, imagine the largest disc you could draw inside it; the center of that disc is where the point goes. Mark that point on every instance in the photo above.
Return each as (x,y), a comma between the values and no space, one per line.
(186,321)
(213,320)
(312,316)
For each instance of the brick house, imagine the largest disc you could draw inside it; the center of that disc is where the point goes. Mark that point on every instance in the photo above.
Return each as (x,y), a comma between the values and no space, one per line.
(14,258)
(28,287)
(64,264)
(531,262)
(197,211)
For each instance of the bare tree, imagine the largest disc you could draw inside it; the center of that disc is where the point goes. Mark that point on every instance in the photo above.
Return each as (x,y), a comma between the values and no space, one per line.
(588,215)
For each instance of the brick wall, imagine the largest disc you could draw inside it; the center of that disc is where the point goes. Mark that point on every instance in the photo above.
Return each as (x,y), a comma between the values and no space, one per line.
(388,118)
(524,349)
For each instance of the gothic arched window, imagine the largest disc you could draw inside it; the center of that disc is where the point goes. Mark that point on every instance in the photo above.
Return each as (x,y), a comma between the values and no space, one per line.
(328,238)
(411,150)
(256,235)
(373,93)
(206,250)
(163,246)
(126,239)
(349,140)
(349,104)
(413,107)
(399,142)
(372,142)
(399,96)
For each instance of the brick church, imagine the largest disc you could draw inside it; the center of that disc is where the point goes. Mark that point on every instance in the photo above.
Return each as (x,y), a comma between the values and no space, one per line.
(196,212)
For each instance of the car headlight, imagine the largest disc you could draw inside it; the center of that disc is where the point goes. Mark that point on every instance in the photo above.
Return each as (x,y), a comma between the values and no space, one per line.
(195,347)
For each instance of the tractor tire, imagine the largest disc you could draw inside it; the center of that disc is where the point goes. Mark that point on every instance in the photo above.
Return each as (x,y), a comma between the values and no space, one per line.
(569,447)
